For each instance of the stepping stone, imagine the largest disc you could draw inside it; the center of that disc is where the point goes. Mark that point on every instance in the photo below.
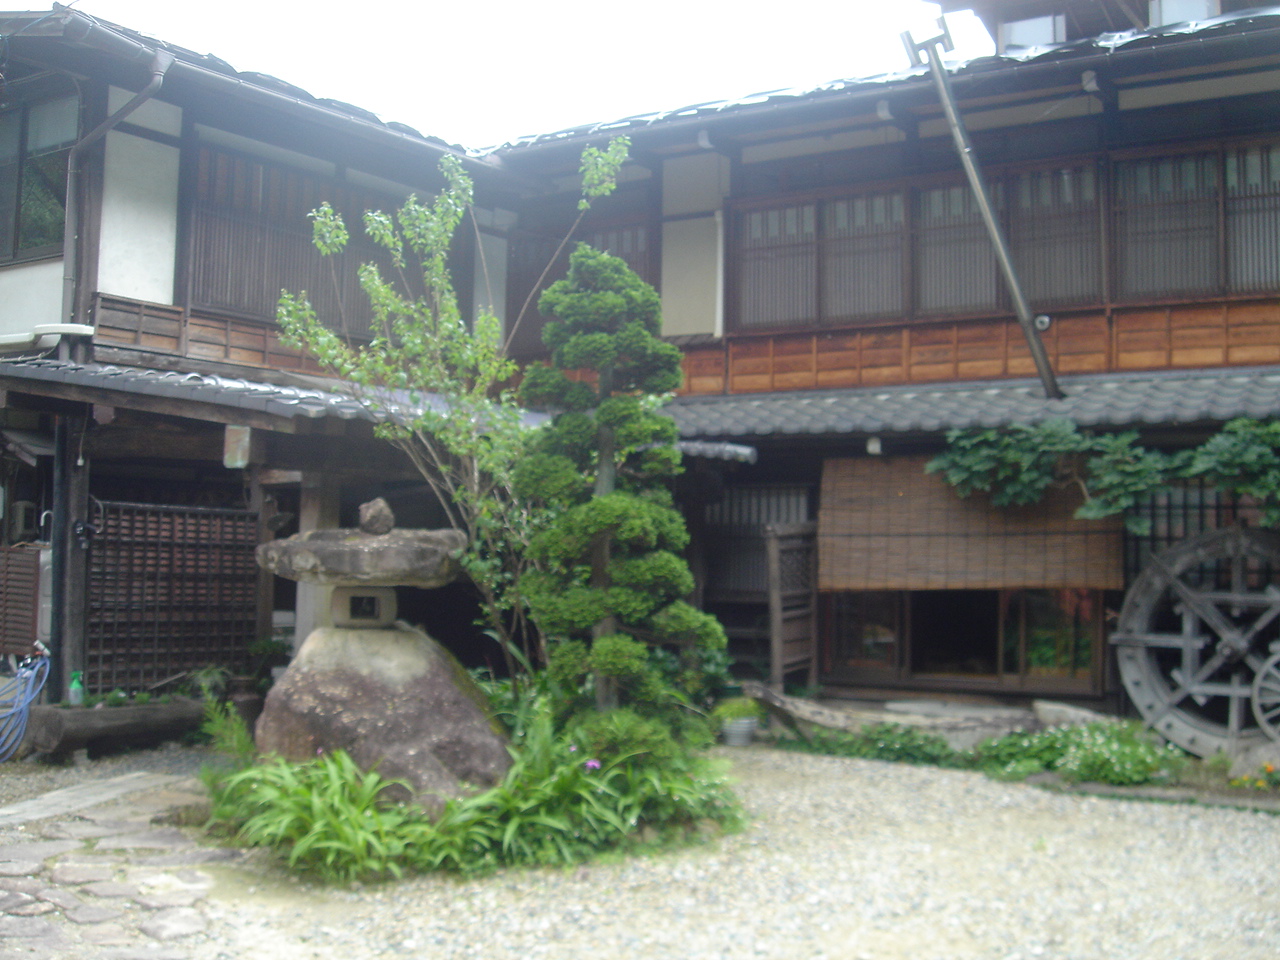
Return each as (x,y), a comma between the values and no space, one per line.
(22,884)
(150,840)
(11,899)
(83,830)
(168,899)
(20,868)
(110,888)
(82,796)
(92,914)
(141,953)
(36,908)
(62,899)
(191,858)
(109,935)
(27,928)
(80,872)
(173,924)
(39,850)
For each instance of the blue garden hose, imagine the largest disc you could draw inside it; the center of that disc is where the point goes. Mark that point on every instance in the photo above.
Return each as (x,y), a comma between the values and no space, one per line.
(16,696)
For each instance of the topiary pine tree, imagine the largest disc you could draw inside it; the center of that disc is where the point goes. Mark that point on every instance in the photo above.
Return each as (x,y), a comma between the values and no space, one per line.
(612,577)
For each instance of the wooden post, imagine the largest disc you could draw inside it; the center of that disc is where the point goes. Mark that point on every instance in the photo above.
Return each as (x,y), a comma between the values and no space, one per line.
(773,556)
(70,535)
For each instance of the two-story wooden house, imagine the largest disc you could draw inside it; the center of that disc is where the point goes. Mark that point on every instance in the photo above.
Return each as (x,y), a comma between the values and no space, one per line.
(823,261)
(153,204)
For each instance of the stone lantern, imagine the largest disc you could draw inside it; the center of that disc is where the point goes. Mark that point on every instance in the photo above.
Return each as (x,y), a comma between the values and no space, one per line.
(384,691)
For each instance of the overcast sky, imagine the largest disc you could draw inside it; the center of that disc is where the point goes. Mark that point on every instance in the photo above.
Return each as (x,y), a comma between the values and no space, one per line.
(483,73)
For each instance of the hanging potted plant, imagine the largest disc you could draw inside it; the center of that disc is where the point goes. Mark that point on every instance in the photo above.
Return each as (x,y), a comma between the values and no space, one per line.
(738,717)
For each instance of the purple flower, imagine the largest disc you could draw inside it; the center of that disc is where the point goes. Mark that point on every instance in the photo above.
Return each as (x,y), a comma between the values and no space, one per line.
(592,765)
(573,748)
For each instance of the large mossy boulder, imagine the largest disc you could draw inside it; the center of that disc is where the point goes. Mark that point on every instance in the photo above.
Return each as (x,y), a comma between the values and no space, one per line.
(397,702)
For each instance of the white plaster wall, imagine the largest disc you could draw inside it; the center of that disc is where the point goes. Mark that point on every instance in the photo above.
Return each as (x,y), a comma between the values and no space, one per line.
(489,291)
(30,294)
(694,184)
(153,114)
(138,243)
(692,276)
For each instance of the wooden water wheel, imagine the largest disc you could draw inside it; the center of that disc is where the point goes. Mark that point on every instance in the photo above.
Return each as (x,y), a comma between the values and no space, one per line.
(1199,641)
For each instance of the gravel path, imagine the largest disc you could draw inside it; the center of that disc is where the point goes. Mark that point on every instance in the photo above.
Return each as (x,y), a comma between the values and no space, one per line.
(844,860)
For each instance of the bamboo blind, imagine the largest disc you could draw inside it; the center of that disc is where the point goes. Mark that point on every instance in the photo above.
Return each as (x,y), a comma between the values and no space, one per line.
(884,524)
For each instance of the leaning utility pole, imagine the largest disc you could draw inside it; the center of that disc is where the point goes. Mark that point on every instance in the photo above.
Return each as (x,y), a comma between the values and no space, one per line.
(1031,324)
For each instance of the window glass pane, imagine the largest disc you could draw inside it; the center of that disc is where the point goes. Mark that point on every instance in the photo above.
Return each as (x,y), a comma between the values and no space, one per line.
(955,264)
(10,137)
(1167,226)
(1059,627)
(863,252)
(1253,219)
(778,267)
(52,125)
(1054,236)
(41,204)
(865,629)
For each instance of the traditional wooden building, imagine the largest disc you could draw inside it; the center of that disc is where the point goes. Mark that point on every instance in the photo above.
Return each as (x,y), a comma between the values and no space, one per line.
(153,204)
(824,263)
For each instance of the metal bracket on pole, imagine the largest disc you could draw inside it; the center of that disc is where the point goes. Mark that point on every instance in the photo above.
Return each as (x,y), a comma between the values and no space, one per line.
(932,50)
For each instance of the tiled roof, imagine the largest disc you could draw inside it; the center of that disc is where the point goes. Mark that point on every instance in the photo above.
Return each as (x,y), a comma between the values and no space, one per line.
(1107,43)
(1117,400)
(281,401)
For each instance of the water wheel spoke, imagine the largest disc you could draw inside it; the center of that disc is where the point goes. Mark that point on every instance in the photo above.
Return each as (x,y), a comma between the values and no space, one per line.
(1187,688)
(1200,604)
(1262,623)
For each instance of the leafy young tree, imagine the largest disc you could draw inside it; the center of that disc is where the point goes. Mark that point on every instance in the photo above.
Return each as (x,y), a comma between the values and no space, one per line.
(440,386)
(610,577)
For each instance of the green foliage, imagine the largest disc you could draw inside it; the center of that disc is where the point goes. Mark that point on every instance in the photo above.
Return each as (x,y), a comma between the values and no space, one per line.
(610,571)
(1018,465)
(461,427)
(1244,460)
(737,708)
(1120,754)
(1116,753)
(613,780)
(895,742)
(228,733)
(326,815)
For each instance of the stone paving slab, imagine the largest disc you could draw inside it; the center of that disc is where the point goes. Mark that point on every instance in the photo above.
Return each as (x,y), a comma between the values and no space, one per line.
(82,796)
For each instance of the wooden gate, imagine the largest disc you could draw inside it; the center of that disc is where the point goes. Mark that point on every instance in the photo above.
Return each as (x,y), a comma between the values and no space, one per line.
(171,589)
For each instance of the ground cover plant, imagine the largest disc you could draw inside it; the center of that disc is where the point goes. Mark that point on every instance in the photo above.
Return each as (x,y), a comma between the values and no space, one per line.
(1118,753)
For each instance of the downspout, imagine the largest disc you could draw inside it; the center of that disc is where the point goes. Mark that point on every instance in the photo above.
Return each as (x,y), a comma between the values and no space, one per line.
(66,462)
(1031,324)
(160,64)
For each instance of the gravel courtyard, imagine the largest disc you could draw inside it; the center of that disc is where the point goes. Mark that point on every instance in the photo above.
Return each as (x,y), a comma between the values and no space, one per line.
(844,859)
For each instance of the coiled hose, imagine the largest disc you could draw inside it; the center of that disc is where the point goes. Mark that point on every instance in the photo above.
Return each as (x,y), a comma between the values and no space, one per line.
(16,696)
